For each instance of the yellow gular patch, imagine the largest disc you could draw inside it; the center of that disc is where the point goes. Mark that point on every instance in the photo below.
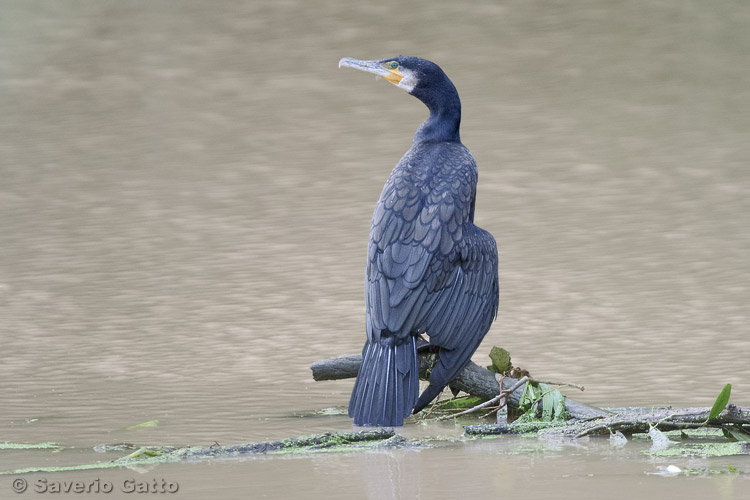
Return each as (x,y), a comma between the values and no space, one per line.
(394,77)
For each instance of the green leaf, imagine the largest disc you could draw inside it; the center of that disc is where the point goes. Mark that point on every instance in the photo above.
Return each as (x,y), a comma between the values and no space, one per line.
(736,433)
(461,403)
(526,399)
(721,402)
(143,425)
(500,359)
(553,403)
(560,413)
(548,404)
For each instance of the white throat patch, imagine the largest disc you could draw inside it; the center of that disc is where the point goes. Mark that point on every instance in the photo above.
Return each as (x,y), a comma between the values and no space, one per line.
(409,81)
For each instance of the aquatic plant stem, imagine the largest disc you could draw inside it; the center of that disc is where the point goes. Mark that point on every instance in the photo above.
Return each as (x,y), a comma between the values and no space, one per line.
(558,384)
(501,399)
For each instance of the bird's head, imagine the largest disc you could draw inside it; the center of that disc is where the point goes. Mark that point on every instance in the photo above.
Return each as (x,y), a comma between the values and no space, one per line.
(426,81)
(418,77)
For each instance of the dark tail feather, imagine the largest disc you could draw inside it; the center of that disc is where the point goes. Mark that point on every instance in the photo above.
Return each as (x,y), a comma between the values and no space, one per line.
(448,366)
(387,383)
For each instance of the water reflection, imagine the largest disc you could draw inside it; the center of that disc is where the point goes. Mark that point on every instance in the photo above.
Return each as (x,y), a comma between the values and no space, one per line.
(391,475)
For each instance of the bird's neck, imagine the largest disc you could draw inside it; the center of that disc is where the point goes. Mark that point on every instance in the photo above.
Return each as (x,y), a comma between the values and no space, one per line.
(445,117)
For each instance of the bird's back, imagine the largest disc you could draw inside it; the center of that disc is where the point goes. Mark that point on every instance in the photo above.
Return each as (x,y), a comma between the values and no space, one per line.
(417,236)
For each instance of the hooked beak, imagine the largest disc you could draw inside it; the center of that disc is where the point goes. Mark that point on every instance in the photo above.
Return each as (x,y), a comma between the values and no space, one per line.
(375,67)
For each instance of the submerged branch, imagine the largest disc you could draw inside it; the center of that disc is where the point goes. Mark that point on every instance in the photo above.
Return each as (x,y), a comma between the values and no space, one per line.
(633,420)
(315,442)
(627,421)
(149,456)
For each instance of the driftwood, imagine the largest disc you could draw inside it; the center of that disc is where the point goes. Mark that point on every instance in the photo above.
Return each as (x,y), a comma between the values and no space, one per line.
(473,380)
(630,421)
(307,443)
(149,456)
(585,420)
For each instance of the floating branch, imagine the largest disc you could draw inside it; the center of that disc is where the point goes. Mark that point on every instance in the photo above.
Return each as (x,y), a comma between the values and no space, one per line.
(315,442)
(629,421)
(152,455)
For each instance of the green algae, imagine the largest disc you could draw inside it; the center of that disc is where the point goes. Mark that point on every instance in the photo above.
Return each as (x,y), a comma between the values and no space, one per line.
(142,456)
(523,428)
(460,403)
(698,433)
(693,449)
(701,443)
(151,451)
(30,446)
(345,447)
(93,466)
(317,442)
(151,455)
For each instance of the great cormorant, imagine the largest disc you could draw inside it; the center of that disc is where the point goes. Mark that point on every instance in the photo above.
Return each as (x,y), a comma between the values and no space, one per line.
(429,268)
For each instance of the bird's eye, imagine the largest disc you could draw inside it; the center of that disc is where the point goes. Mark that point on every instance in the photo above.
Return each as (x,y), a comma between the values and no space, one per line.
(393,65)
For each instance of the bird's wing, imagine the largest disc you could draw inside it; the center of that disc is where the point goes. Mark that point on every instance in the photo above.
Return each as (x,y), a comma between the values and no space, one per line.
(429,268)
(459,313)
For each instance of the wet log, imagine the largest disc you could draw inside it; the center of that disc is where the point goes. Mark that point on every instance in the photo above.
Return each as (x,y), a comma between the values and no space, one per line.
(346,366)
(473,380)
(630,421)
(315,442)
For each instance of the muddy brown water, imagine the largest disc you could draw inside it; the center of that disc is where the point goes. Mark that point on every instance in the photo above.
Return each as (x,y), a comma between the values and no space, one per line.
(185,195)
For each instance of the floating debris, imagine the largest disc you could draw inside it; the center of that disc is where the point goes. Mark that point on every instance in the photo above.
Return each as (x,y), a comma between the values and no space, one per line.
(30,446)
(659,441)
(618,439)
